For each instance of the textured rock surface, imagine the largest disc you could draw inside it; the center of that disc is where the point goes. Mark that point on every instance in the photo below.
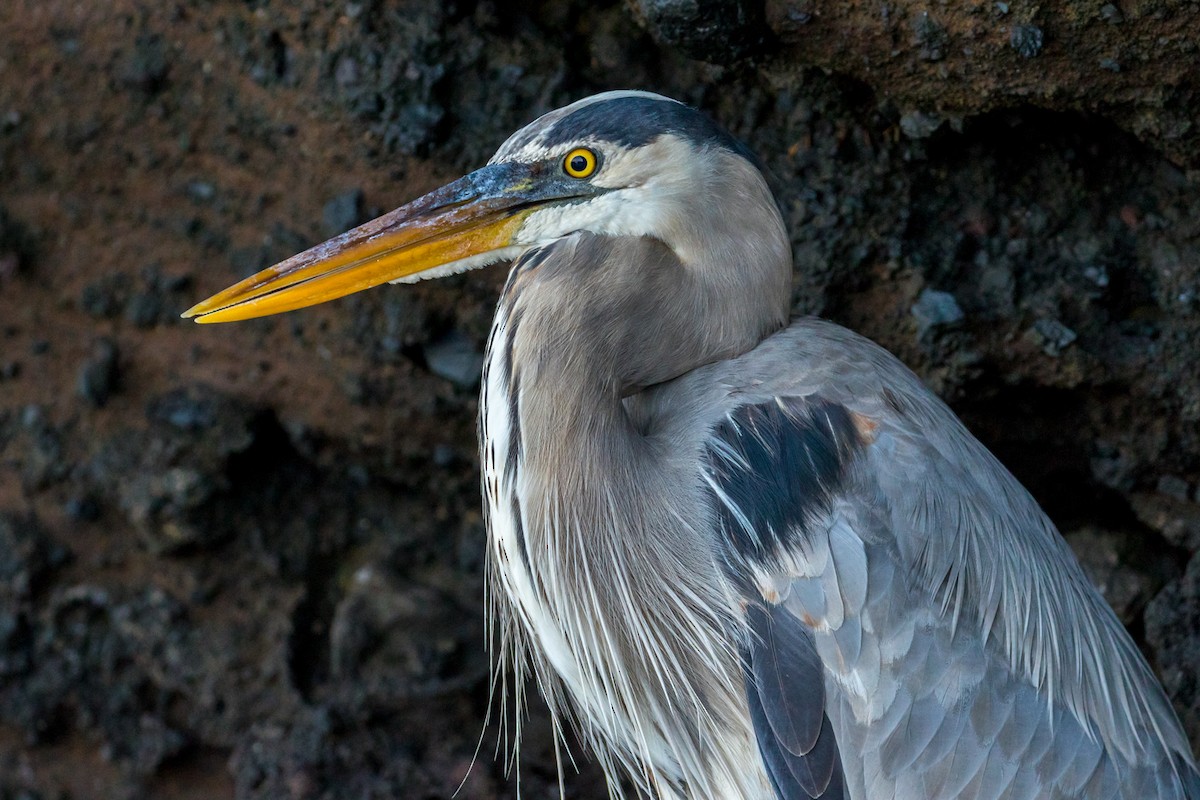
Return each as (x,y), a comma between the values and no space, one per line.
(1137,63)
(246,560)
(1172,620)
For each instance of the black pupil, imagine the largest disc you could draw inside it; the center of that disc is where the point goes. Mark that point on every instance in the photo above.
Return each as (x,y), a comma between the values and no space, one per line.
(578,163)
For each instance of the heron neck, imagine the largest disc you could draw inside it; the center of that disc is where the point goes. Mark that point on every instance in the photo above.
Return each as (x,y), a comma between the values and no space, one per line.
(591,530)
(590,488)
(568,409)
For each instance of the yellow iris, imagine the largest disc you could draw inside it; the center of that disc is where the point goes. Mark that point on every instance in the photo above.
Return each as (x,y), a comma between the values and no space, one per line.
(580,163)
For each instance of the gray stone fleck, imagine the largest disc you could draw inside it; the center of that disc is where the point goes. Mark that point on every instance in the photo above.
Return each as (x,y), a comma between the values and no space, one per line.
(935,309)
(930,36)
(99,375)
(1026,40)
(1111,14)
(1173,486)
(201,191)
(1097,274)
(455,358)
(1053,336)
(342,212)
(919,124)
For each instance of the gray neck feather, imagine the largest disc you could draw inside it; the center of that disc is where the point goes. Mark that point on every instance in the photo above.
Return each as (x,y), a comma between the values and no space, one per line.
(613,520)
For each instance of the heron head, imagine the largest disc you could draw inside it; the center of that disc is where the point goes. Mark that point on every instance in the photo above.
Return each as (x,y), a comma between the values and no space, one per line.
(619,164)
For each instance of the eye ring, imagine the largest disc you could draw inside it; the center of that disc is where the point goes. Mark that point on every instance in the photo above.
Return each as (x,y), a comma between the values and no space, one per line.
(580,163)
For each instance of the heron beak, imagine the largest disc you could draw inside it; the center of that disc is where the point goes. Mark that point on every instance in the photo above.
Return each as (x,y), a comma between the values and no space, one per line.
(468,223)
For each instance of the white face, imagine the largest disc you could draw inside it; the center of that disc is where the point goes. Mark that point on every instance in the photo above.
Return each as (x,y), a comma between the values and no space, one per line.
(649,184)
(649,187)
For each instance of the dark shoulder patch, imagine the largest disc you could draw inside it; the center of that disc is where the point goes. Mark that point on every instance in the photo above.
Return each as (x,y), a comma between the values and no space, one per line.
(774,469)
(636,121)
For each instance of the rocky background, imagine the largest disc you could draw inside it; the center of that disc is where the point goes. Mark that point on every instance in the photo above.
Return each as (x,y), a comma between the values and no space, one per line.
(245,561)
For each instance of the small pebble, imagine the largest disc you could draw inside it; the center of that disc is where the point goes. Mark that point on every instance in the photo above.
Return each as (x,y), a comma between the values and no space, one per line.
(443,455)
(201,191)
(99,375)
(919,125)
(82,508)
(1111,14)
(455,358)
(935,309)
(1026,40)
(1173,486)
(342,212)
(106,296)
(185,410)
(931,36)
(1096,274)
(144,309)
(1055,337)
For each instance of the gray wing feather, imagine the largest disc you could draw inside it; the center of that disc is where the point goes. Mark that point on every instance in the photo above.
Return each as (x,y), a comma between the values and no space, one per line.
(1042,739)
(806,596)
(848,578)
(847,641)
(815,771)
(965,761)
(916,728)
(1015,737)
(1081,768)
(775,757)
(1058,758)
(1104,782)
(991,782)
(991,710)
(946,738)
(782,657)
(794,734)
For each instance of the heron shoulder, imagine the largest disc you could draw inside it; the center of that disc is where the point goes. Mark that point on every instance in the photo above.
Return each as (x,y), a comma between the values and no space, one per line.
(962,527)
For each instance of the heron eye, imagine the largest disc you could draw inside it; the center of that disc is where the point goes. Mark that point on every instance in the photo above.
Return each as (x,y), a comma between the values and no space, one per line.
(580,163)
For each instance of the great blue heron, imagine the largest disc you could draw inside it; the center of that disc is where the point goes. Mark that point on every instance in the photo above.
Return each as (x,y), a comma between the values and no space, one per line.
(747,556)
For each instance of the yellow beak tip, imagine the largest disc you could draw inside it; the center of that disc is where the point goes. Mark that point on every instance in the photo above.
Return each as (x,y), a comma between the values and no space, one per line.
(196,312)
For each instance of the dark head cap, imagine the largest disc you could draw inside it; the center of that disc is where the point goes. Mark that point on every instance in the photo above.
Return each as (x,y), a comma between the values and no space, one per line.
(627,119)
